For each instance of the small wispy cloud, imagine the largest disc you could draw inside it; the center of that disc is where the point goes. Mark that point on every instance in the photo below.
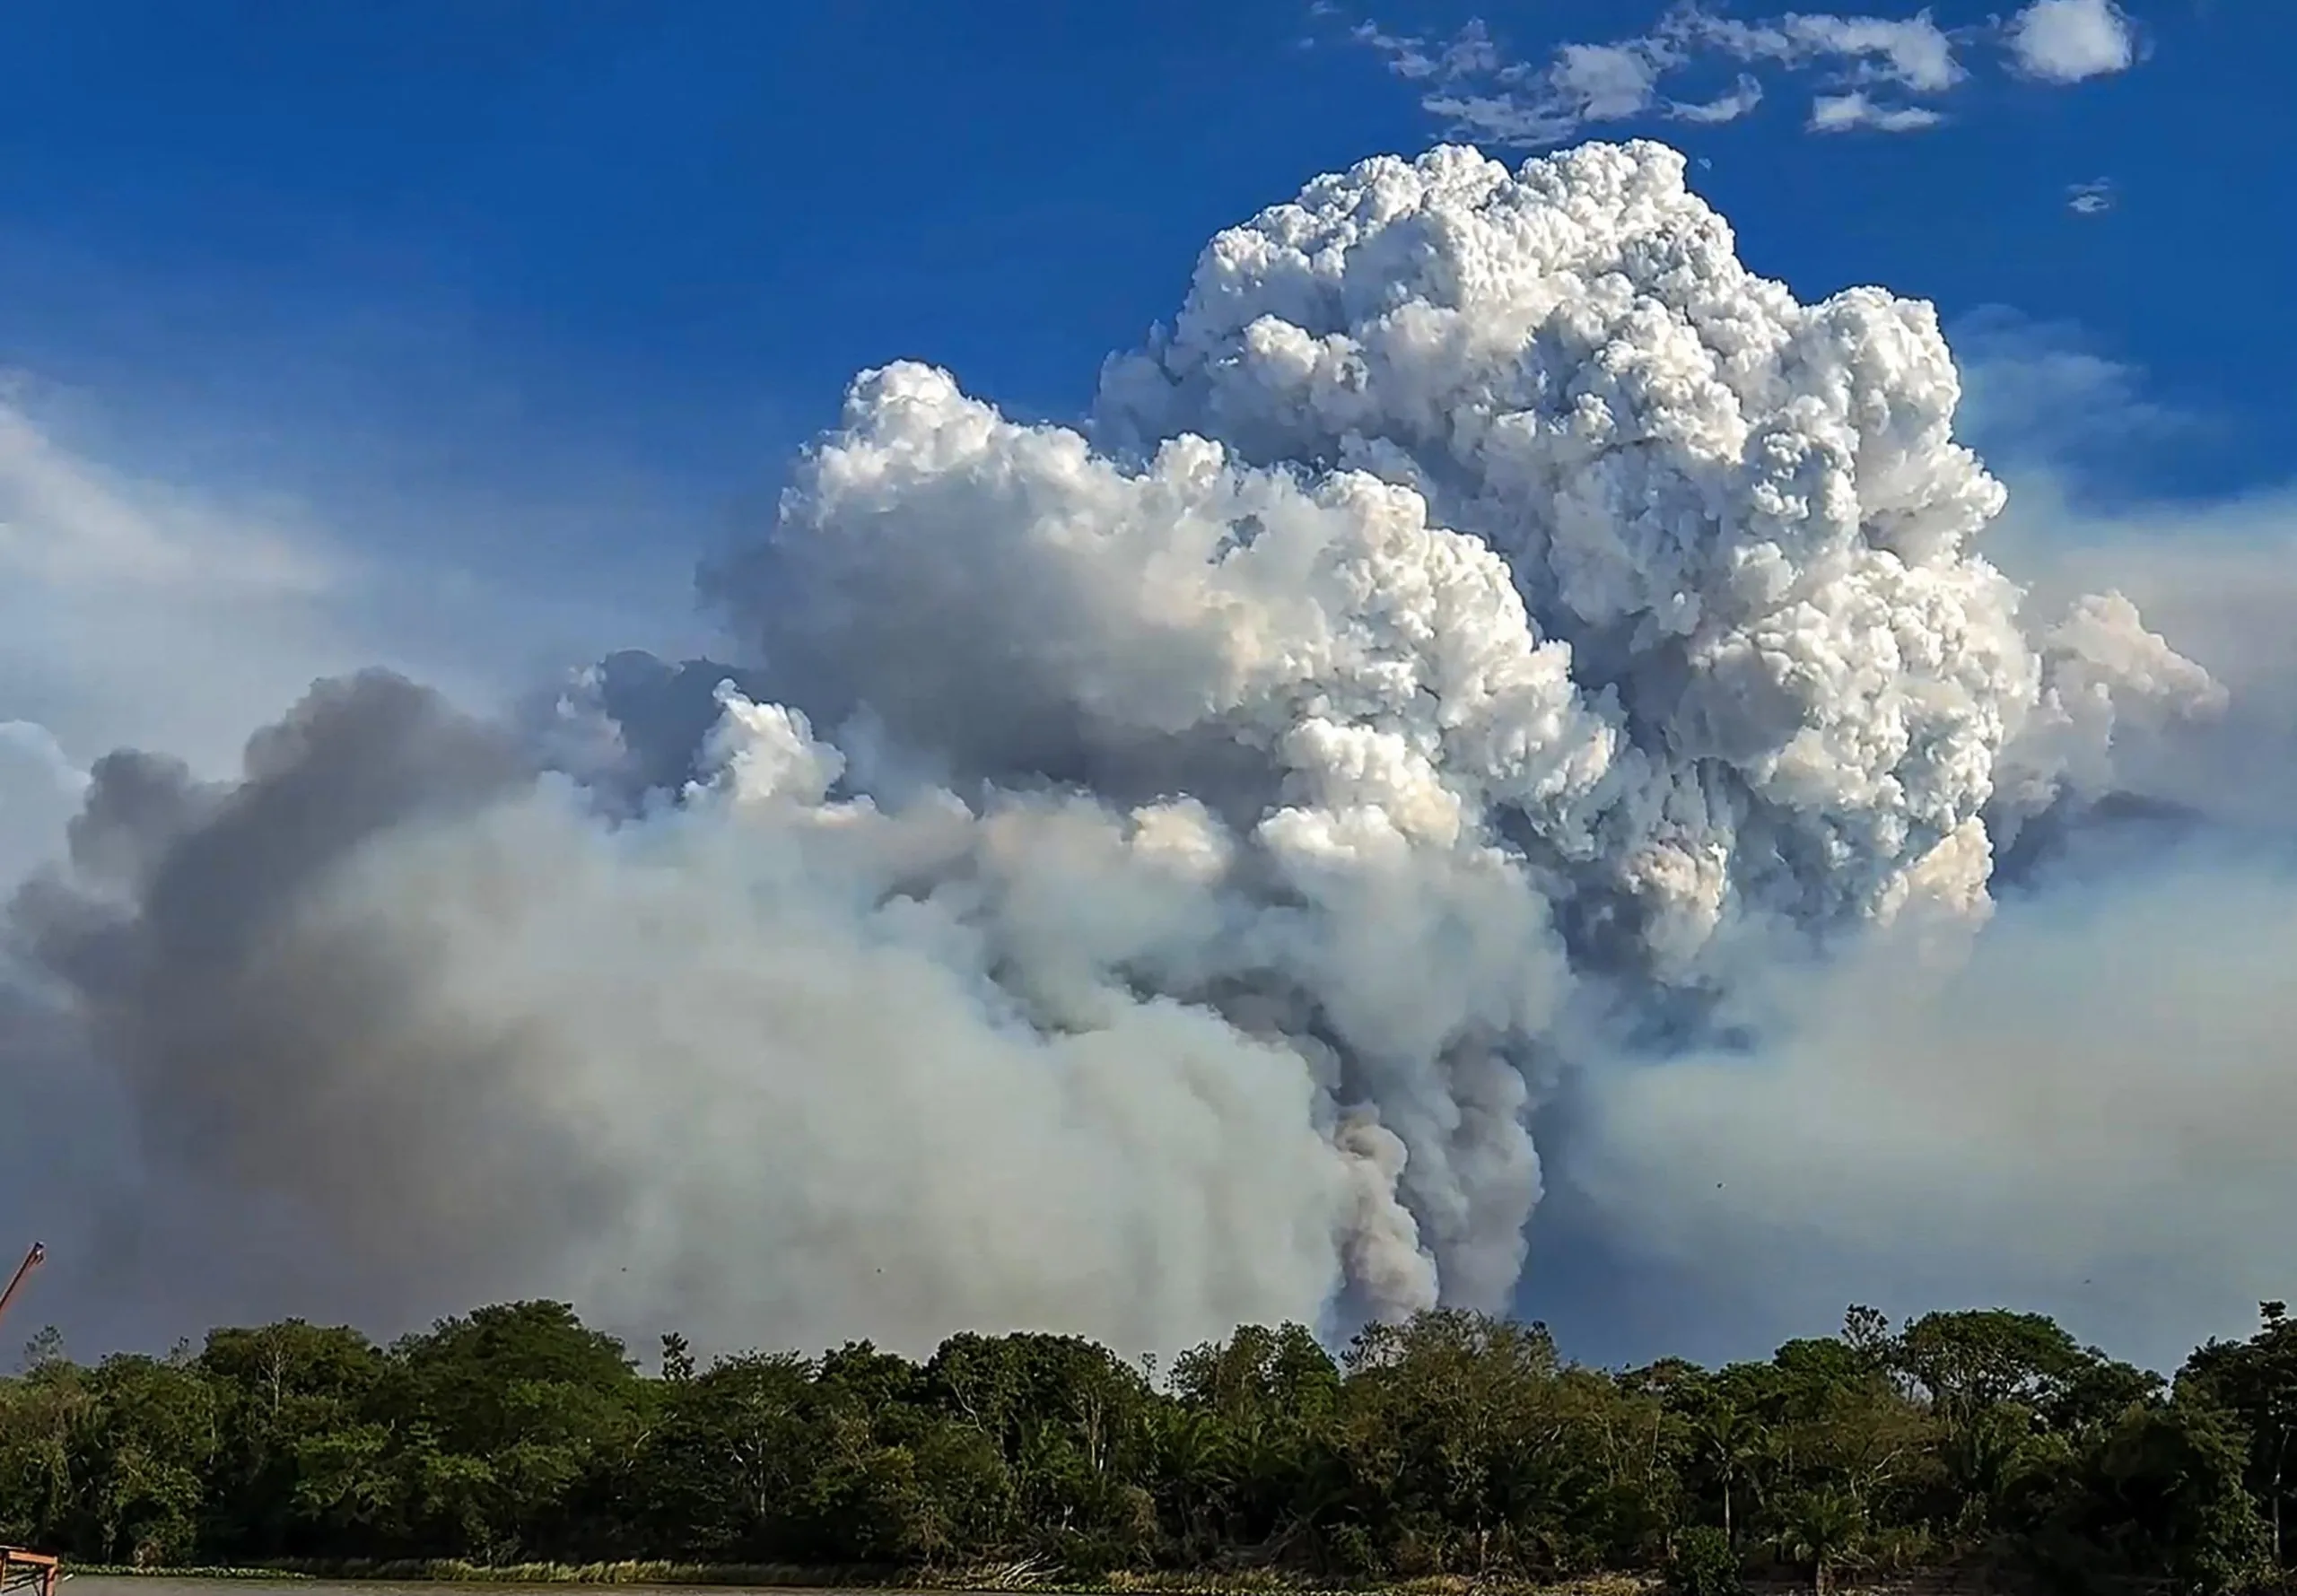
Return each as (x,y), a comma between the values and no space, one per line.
(1743,98)
(142,607)
(65,520)
(1870,73)
(1847,113)
(1913,53)
(2090,198)
(2065,41)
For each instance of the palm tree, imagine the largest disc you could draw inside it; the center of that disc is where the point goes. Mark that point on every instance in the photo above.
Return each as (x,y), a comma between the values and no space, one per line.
(1816,1529)
(1729,1442)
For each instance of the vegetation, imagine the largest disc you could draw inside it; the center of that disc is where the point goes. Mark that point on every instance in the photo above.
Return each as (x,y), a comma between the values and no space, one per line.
(1455,1445)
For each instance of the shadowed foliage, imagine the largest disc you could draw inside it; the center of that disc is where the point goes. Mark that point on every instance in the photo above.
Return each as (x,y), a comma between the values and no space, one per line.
(1453,1443)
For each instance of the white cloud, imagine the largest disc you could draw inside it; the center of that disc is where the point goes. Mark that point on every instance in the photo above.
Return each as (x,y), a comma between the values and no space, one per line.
(2065,41)
(1728,107)
(1471,51)
(1484,95)
(1914,53)
(2091,198)
(1472,86)
(1845,113)
(1609,81)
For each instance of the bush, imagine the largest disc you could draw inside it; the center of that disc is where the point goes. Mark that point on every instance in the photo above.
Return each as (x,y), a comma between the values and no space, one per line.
(1702,1563)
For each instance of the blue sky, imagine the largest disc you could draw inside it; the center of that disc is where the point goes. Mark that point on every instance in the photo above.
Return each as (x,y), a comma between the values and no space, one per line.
(606,261)
(452,332)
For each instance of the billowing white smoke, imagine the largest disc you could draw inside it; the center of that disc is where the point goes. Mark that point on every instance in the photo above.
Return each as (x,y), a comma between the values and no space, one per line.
(1145,879)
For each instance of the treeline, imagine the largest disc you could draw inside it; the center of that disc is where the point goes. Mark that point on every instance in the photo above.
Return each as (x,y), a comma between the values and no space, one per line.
(1454,1444)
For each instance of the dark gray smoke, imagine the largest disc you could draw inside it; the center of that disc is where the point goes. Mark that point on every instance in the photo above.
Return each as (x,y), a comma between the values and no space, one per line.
(275,1050)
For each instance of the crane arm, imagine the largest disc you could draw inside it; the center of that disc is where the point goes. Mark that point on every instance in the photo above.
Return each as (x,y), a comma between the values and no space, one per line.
(21,1570)
(32,1261)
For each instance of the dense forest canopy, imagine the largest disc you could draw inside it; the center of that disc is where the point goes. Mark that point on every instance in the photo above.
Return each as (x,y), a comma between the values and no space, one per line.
(1450,1443)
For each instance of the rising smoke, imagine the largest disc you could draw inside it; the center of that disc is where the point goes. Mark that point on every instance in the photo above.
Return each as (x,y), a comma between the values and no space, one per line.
(1140,878)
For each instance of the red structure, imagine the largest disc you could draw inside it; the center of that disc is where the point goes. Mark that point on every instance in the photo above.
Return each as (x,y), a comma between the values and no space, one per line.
(21,1570)
(28,1571)
(32,1261)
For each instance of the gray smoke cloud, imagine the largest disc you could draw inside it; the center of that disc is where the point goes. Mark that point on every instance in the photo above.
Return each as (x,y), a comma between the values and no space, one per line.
(2084,1109)
(1144,878)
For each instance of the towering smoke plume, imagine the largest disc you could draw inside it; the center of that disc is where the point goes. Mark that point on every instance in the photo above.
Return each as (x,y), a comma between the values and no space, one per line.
(1140,878)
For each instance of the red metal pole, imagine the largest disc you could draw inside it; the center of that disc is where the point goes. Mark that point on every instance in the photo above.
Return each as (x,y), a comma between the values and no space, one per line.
(44,1570)
(32,1261)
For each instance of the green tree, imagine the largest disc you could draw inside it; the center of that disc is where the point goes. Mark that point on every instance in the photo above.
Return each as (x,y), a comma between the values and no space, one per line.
(284,1393)
(2257,1381)
(1972,1361)
(1451,1443)
(731,1460)
(146,1440)
(2157,1495)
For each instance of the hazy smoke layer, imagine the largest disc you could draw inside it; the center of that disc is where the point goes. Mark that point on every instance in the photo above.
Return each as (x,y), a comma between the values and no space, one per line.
(1142,880)
(2090,1117)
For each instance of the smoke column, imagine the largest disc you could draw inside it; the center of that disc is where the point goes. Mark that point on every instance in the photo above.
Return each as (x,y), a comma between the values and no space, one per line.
(1136,878)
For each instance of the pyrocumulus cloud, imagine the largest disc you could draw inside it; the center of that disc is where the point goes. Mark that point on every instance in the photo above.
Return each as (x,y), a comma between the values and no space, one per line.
(1140,877)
